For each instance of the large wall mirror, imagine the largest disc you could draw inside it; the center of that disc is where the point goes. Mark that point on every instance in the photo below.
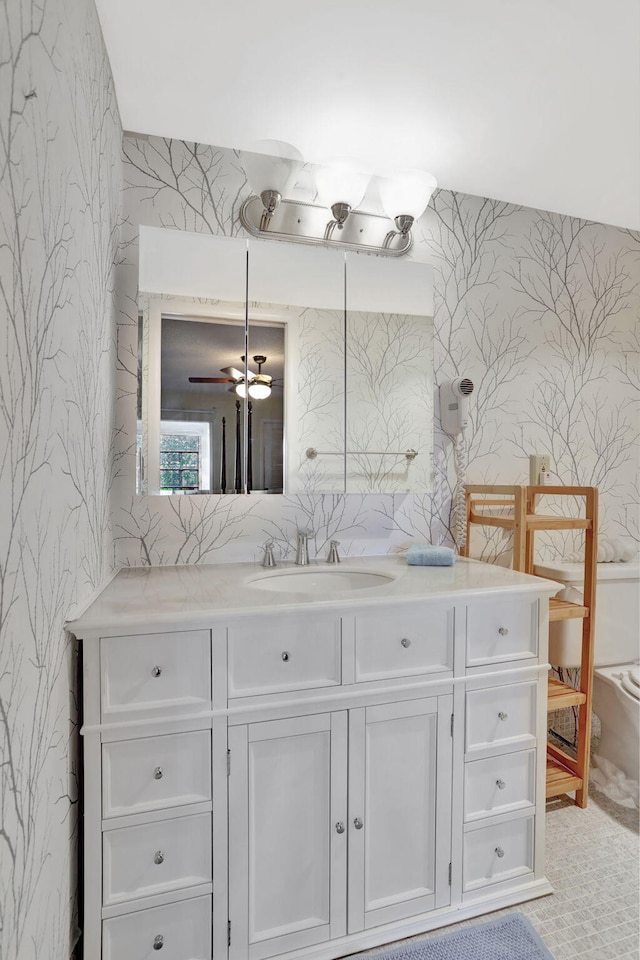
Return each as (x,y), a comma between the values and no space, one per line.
(269,367)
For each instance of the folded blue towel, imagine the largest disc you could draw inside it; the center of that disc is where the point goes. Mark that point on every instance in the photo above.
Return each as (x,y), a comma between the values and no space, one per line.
(426,555)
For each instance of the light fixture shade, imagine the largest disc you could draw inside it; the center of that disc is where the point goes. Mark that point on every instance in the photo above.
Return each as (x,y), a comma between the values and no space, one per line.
(341,181)
(271,165)
(407,193)
(241,390)
(259,391)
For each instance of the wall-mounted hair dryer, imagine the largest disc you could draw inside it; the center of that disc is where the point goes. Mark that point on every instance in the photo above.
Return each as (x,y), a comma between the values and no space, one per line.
(454,405)
(454,418)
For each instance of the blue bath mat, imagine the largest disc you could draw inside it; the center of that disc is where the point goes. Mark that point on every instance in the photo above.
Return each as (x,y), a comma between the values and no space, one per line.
(509,938)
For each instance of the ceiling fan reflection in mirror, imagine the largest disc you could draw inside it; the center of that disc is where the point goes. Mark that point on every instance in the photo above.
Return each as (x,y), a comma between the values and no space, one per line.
(258,384)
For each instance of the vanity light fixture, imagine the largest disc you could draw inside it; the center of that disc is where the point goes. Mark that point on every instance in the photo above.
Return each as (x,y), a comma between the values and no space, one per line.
(341,185)
(272,168)
(405,197)
(332,219)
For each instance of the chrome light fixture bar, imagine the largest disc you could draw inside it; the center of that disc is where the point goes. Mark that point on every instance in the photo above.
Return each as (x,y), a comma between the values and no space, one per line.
(333,218)
(300,222)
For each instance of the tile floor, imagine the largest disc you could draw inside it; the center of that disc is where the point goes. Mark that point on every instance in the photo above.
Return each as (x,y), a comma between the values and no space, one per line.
(592,864)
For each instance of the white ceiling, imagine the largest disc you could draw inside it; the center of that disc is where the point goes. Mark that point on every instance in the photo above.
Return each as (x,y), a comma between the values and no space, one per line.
(532,101)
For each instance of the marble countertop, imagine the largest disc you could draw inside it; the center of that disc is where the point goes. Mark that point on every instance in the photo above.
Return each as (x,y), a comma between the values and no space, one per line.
(193,596)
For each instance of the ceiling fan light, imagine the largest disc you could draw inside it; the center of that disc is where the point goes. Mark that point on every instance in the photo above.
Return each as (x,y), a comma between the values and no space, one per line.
(241,389)
(407,193)
(259,391)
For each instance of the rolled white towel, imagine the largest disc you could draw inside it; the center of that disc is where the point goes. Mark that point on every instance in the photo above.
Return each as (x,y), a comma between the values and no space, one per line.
(610,550)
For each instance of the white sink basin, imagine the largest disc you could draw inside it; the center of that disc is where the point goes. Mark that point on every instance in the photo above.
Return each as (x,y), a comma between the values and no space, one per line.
(319,581)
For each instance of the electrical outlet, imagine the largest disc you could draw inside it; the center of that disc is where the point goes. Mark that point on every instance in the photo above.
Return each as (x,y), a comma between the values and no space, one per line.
(538,463)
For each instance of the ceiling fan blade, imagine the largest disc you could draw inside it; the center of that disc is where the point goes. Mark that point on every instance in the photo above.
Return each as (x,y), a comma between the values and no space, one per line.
(211,380)
(234,372)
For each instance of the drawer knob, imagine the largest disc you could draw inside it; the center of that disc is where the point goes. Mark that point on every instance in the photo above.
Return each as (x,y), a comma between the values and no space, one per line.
(158,942)
(500,784)
(405,642)
(339,827)
(158,857)
(503,631)
(358,824)
(158,774)
(285,656)
(503,716)
(499,852)
(156,672)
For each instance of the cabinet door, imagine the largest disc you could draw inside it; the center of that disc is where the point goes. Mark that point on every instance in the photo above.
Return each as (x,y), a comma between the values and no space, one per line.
(287,834)
(399,810)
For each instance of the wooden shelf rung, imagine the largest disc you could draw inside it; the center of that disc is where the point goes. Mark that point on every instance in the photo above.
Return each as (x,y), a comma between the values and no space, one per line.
(538,521)
(489,520)
(561,695)
(533,521)
(564,759)
(560,780)
(565,610)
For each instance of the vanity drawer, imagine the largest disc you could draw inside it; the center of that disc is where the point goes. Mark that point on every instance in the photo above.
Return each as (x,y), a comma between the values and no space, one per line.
(155,674)
(500,852)
(499,784)
(279,654)
(181,930)
(155,857)
(403,643)
(501,630)
(500,716)
(155,772)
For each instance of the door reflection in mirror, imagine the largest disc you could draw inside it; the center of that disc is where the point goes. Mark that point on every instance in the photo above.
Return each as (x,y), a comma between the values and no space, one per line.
(203,388)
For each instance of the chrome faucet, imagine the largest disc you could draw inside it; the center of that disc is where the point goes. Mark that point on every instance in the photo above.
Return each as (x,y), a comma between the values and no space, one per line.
(334,556)
(302,549)
(268,559)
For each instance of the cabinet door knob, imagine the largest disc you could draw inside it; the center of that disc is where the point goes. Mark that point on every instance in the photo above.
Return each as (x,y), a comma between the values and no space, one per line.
(339,827)
(158,774)
(285,656)
(503,631)
(158,942)
(358,824)
(158,857)
(500,784)
(499,852)
(156,672)
(503,716)
(405,642)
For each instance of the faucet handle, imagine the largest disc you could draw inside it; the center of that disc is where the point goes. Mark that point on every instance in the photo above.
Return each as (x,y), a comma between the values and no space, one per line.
(302,552)
(268,559)
(334,556)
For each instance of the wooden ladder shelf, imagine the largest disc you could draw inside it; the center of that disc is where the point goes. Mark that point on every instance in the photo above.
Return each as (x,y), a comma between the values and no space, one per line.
(564,772)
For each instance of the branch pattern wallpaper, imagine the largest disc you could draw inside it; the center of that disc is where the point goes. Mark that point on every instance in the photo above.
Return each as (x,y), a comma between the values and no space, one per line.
(60,177)
(539,310)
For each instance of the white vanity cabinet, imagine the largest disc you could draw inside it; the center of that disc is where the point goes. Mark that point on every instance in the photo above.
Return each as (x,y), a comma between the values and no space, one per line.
(338,822)
(287,833)
(399,810)
(313,778)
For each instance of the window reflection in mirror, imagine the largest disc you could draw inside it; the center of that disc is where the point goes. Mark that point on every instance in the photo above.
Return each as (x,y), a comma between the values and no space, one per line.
(203,389)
